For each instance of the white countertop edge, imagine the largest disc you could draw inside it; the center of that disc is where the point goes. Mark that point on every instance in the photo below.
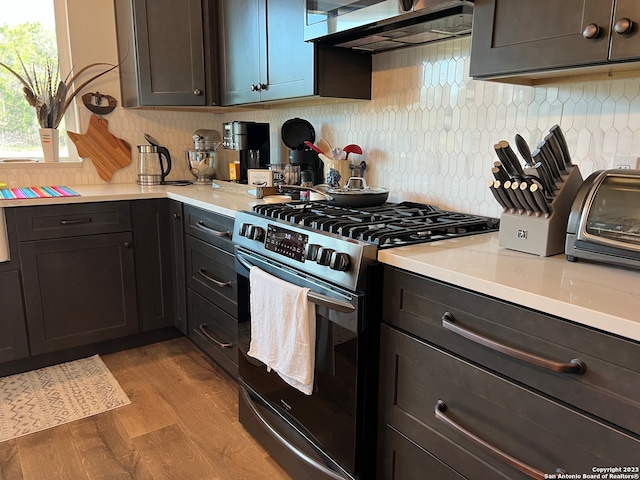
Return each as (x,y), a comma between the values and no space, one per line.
(421,261)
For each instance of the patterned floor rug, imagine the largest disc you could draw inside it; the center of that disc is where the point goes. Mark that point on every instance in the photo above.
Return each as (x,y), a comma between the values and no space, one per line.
(43,398)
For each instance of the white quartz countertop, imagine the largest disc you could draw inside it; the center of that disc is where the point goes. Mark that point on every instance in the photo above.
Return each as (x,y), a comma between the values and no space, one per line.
(600,296)
(227,200)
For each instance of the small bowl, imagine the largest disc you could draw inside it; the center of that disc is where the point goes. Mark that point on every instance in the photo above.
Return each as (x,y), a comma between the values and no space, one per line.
(277,198)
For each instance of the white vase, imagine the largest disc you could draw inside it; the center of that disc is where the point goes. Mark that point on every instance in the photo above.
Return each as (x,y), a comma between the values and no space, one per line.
(50,140)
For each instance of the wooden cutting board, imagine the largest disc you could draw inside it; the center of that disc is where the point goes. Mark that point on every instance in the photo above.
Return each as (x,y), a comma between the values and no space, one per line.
(107,152)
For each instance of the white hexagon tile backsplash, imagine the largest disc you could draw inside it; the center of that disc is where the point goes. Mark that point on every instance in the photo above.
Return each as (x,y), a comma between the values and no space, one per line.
(427,134)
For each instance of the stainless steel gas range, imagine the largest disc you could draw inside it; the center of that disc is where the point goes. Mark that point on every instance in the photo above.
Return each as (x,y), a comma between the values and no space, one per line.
(331,251)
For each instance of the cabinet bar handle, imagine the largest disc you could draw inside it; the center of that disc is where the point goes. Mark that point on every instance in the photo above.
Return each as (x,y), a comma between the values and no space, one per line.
(203,273)
(440,410)
(203,330)
(574,366)
(75,221)
(213,232)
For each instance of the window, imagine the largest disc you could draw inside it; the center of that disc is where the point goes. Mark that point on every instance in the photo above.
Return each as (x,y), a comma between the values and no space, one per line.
(35,32)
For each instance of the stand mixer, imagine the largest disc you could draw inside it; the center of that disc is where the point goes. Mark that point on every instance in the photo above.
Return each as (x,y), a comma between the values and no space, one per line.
(201,159)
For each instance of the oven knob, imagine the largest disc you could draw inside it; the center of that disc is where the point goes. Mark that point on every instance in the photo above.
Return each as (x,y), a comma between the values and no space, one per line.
(312,252)
(340,262)
(254,232)
(324,256)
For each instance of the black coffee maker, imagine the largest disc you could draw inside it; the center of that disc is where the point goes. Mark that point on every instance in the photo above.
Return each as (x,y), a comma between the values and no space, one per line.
(295,132)
(251,140)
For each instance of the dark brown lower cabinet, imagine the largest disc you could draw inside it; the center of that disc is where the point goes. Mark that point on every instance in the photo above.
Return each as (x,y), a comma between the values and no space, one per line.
(79,290)
(153,256)
(450,407)
(13,332)
(176,229)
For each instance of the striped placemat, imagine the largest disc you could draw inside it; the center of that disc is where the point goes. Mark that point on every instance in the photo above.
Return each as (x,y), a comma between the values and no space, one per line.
(36,192)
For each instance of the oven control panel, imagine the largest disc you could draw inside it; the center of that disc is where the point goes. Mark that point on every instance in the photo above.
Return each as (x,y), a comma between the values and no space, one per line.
(313,251)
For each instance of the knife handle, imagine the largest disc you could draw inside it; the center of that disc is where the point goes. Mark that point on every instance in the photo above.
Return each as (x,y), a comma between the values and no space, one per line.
(499,173)
(556,131)
(513,158)
(506,186)
(549,161)
(497,185)
(556,153)
(524,188)
(543,171)
(496,194)
(504,160)
(540,199)
(529,208)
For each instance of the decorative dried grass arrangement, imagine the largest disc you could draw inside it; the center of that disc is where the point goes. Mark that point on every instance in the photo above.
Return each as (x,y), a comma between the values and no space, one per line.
(49,95)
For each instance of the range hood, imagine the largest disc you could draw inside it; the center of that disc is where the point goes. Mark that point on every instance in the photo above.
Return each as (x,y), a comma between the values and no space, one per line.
(384,25)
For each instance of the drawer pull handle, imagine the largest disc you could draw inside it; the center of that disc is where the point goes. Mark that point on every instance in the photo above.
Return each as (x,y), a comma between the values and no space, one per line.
(203,330)
(75,221)
(203,273)
(201,225)
(440,410)
(574,366)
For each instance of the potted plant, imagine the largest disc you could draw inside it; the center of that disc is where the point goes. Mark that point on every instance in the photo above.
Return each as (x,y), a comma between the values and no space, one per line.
(52,96)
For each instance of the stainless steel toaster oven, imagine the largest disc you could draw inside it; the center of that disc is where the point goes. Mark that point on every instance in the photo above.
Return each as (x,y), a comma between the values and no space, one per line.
(604,223)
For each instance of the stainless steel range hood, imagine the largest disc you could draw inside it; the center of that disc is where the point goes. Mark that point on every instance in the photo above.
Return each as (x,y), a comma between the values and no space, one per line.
(376,29)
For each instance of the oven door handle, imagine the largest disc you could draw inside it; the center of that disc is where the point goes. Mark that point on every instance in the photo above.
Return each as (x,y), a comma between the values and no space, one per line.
(274,433)
(313,297)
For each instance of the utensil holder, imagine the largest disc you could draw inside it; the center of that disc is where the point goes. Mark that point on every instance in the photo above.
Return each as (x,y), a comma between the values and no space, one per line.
(541,235)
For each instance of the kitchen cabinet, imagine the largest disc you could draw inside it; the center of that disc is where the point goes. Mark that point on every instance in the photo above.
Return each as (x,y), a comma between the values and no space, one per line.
(454,363)
(167,50)
(519,37)
(153,261)
(177,265)
(13,330)
(265,58)
(212,286)
(78,270)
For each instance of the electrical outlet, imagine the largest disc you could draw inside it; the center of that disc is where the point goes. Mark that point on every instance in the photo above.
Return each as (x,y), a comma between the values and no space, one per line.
(625,163)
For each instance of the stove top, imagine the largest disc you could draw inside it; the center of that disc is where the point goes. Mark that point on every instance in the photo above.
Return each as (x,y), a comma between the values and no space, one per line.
(387,225)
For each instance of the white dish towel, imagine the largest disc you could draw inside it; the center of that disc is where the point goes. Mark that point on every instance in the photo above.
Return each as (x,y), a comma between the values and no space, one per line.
(4,241)
(283,329)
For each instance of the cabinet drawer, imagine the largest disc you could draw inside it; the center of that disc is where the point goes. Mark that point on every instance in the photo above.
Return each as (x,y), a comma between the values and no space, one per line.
(401,459)
(71,220)
(214,331)
(211,273)
(609,388)
(210,227)
(543,434)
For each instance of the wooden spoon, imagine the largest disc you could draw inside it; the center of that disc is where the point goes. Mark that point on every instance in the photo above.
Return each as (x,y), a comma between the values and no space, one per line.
(324,146)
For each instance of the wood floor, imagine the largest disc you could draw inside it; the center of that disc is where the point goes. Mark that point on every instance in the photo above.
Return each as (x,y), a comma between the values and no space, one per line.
(182,424)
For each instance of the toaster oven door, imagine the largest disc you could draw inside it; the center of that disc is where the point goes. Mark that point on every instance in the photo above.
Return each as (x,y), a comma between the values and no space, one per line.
(612,216)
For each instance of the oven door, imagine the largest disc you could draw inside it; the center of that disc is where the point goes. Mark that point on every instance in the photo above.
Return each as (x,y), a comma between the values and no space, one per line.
(324,430)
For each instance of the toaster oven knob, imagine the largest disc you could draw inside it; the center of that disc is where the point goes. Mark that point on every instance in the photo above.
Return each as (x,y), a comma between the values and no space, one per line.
(340,262)
(324,256)
(312,252)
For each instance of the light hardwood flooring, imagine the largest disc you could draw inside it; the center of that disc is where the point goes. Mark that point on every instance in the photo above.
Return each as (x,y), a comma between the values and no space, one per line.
(182,424)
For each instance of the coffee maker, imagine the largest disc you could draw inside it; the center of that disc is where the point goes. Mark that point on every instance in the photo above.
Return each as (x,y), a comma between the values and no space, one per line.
(251,140)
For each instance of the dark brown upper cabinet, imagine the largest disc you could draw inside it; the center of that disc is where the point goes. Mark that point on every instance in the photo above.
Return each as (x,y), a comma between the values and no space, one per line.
(523,40)
(264,57)
(167,50)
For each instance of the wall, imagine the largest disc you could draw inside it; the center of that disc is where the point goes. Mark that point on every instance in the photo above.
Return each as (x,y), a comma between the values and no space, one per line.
(428,132)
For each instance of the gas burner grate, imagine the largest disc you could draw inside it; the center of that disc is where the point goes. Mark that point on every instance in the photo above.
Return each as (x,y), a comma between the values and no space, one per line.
(386,225)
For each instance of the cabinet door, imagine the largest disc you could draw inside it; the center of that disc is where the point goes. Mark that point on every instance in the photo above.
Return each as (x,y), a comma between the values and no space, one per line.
(177,264)
(243,43)
(152,247)
(13,331)
(624,43)
(79,290)
(161,45)
(290,60)
(513,36)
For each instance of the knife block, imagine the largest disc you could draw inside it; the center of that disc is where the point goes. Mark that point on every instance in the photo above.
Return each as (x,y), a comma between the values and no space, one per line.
(541,235)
